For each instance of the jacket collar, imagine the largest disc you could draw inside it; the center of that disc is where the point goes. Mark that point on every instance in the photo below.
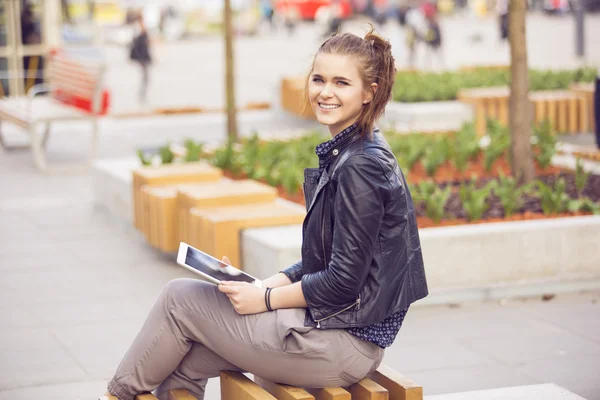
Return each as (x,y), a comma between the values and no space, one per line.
(330,149)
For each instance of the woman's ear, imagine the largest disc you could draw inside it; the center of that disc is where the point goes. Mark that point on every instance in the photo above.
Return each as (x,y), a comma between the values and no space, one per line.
(369,94)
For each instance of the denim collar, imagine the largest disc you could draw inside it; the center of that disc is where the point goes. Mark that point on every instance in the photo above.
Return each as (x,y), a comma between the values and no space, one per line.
(328,150)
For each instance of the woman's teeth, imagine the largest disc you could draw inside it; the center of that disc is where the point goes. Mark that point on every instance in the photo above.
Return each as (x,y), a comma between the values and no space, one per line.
(328,106)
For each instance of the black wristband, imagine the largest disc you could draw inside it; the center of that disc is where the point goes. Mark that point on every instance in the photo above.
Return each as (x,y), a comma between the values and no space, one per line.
(268,296)
(267,299)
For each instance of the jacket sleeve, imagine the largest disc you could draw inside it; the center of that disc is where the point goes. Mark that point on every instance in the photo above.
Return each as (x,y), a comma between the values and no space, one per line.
(294,272)
(362,191)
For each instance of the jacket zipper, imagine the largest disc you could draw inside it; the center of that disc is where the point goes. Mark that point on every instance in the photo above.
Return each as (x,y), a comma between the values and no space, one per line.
(356,303)
(323,233)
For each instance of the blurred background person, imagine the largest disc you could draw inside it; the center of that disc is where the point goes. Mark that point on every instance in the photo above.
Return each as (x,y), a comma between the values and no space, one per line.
(140,53)
(502,12)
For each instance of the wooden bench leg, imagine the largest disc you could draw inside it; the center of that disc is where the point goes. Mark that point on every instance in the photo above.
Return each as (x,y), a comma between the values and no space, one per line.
(39,141)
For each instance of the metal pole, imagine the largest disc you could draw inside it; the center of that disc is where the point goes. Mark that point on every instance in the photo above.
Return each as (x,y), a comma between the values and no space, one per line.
(580,27)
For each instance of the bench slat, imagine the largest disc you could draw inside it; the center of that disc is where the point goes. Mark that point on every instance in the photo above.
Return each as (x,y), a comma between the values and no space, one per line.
(284,392)
(146,396)
(180,394)
(367,389)
(399,386)
(332,393)
(236,386)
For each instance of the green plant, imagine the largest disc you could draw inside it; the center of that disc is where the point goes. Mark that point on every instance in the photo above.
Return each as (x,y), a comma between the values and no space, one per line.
(499,142)
(436,202)
(554,199)
(422,191)
(166,154)
(466,146)
(143,159)
(249,155)
(581,177)
(224,156)
(510,194)
(416,147)
(435,155)
(584,204)
(474,201)
(545,139)
(194,151)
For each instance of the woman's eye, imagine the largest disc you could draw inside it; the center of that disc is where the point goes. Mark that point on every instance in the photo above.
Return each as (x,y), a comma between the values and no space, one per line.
(343,83)
(317,80)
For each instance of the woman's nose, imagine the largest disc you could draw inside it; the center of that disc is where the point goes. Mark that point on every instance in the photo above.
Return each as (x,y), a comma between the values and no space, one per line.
(326,92)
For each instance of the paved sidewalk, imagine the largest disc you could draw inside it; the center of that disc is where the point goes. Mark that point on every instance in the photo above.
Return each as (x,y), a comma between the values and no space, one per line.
(75,286)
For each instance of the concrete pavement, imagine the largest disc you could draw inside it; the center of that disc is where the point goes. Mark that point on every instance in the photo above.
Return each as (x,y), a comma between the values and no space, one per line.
(76,285)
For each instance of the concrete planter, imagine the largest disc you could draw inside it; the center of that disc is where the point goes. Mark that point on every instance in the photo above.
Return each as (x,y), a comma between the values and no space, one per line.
(112,180)
(473,262)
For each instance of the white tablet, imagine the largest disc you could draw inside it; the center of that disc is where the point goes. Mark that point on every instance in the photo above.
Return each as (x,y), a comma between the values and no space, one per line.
(211,268)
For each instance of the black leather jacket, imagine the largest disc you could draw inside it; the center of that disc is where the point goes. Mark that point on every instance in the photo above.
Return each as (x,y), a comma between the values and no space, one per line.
(361,254)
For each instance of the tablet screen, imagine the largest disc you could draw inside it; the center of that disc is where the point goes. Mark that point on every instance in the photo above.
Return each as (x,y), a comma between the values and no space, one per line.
(215,268)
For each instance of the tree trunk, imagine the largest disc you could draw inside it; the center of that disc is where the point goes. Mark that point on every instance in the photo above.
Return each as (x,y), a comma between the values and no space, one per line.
(229,74)
(520,108)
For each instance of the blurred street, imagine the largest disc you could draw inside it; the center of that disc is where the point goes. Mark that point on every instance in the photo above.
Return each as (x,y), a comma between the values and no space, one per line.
(189,73)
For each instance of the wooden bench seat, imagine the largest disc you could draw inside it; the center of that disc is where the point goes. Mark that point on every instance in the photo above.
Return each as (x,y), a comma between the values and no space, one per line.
(167,207)
(165,175)
(71,82)
(566,110)
(217,231)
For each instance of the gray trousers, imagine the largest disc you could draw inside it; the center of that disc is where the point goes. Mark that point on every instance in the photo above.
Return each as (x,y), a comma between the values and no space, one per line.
(193,332)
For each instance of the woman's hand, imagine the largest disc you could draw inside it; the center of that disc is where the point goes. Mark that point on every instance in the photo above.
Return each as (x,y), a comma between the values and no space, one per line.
(245,298)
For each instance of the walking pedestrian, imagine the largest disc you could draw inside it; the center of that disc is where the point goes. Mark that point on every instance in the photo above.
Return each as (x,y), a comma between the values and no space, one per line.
(140,53)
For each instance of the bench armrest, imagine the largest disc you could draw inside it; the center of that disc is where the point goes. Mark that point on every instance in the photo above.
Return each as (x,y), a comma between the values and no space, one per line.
(37,89)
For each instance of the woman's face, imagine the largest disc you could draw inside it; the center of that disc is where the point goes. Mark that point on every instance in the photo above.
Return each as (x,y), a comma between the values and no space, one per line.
(336,91)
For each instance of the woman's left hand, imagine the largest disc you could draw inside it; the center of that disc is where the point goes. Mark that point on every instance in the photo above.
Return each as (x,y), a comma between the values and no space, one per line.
(245,298)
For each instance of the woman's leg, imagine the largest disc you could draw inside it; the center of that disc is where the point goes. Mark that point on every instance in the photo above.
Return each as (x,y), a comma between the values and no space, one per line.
(200,364)
(273,345)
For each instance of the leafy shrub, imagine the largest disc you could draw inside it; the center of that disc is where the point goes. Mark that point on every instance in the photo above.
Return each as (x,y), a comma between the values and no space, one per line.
(499,143)
(466,146)
(194,151)
(435,155)
(581,177)
(510,194)
(435,203)
(554,200)
(474,201)
(545,139)
(584,204)
(430,86)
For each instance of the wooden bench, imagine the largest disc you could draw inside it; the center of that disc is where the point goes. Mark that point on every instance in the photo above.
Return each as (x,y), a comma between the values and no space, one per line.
(382,384)
(168,206)
(167,175)
(586,90)
(566,110)
(293,98)
(75,87)
(217,231)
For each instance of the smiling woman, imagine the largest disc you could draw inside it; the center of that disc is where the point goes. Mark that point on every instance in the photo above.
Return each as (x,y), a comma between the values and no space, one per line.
(326,320)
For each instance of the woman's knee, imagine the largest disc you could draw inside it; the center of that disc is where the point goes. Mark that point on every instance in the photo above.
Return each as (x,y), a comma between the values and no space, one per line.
(178,290)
